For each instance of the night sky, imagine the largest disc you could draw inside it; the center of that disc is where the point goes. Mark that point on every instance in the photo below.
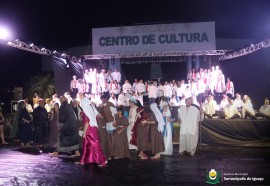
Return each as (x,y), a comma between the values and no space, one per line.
(59,26)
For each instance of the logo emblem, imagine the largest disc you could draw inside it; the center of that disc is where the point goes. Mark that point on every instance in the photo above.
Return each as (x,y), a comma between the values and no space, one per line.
(213,176)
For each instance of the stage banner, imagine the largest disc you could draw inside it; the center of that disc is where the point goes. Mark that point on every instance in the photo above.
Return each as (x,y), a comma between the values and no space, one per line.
(154,38)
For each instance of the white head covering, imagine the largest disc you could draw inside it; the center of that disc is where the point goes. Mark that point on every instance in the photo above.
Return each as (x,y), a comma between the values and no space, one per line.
(90,111)
(158,115)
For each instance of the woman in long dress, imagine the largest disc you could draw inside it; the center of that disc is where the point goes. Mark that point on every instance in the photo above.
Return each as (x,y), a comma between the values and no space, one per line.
(168,129)
(69,134)
(25,126)
(92,152)
(103,137)
(15,126)
(54,116)
(156,126)
(120,140)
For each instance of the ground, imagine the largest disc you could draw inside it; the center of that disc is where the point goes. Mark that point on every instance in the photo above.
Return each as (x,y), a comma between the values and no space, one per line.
(31,167)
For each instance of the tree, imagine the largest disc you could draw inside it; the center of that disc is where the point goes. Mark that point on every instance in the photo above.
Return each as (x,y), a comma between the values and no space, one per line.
(43,85)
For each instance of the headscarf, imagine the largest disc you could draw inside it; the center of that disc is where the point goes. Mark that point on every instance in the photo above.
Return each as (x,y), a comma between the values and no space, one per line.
(159,116)
(90,111)
(15,126)
(168,112)
(135,101)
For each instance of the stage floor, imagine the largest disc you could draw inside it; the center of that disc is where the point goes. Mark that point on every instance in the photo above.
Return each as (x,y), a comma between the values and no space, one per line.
(29,167)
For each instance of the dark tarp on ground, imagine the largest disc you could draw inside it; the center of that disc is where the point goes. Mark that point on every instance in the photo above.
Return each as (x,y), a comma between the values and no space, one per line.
(238,132)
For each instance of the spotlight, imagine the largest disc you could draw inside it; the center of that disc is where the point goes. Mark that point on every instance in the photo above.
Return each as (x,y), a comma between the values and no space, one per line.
(63,54)
(54,51)
(4,34)
(32,44)
(43,49)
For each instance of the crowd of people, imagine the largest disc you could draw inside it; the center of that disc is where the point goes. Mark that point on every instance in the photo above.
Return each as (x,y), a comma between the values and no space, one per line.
(207,87)
(110,120)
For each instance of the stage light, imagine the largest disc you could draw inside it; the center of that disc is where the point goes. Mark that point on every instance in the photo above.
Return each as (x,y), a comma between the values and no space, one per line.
(54,51)
(32,44)
(63,54)
(4,34)
(43,49)
(9,43)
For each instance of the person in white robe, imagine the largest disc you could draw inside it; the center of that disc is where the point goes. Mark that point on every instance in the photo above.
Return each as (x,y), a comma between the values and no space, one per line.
(167,90)
(173,102)
(210,107)
(160,93)
(93,79)
(224,102)
(264,110)
(152,93)
(116,75)
(122,100)
(247,110)
(220,86)
(238,102)
(134,86)
(189,132)
(113,100)
(229,88)
(102,80)
(213,80)
(230,110)
(115,88)
(127,88)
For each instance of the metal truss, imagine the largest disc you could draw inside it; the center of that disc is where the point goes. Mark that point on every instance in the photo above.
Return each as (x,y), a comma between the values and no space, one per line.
(43,51)
(30,48)
(155,54)
(245,51)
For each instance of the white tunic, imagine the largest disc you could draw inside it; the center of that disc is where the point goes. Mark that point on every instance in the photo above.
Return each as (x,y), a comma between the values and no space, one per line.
(249,107)
(189,117)
(122,100)
(152,91)
(140,88)
(238,103)
(127,88)
(167,90)
(210,107)
(230,110)
(116,76)
(265,109)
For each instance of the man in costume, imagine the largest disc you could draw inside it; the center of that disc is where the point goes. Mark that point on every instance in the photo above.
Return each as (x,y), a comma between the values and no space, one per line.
(189,132)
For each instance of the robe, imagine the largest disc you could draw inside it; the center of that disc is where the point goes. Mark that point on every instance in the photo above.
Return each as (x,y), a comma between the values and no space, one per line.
(189,131)
(69,133)
(157,142)
(120,141)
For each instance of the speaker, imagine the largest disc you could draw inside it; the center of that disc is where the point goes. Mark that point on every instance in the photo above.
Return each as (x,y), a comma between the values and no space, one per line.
(18,93)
